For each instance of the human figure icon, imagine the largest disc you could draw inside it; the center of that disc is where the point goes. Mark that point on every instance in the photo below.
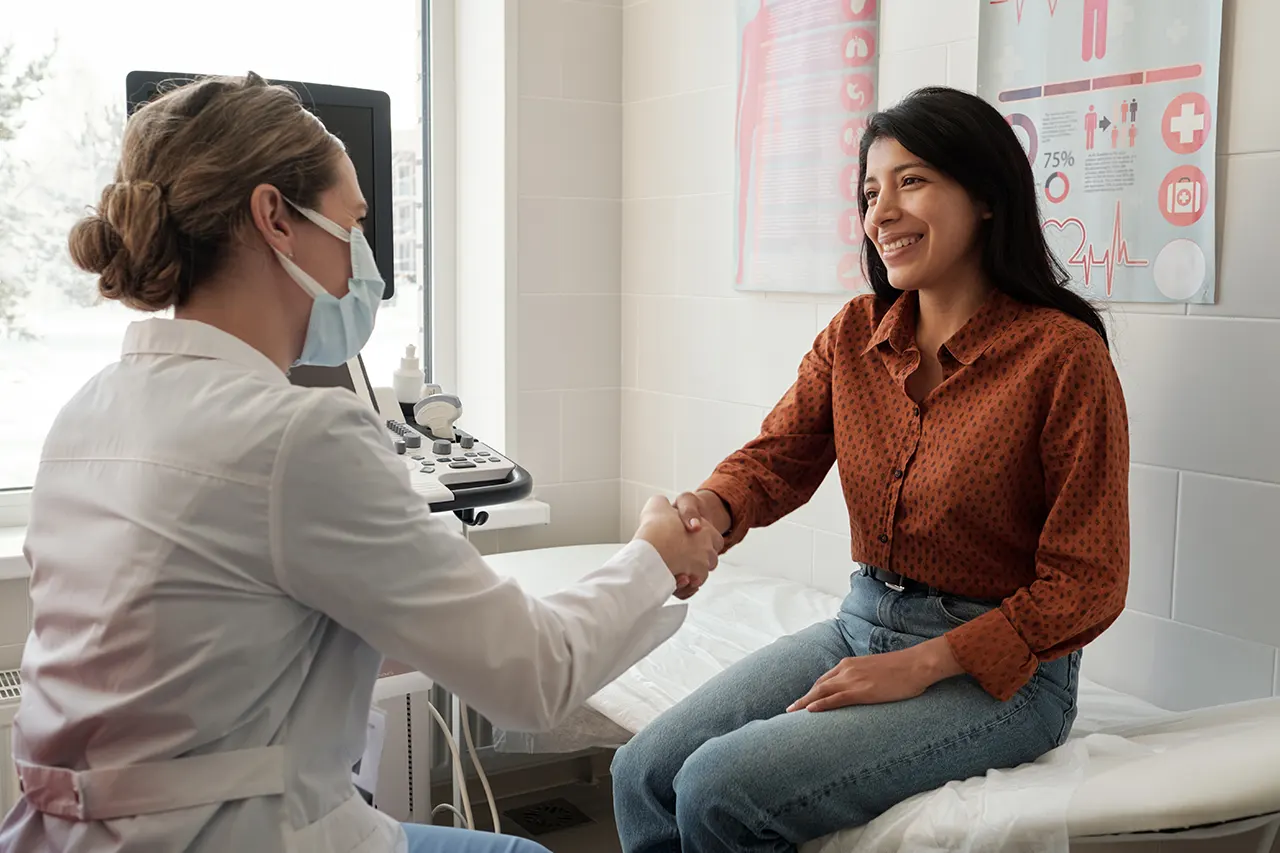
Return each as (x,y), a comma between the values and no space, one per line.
(1094,40)
(1090,125)
(1133,110)
(1124,111)
(1115,135)
(1133,134)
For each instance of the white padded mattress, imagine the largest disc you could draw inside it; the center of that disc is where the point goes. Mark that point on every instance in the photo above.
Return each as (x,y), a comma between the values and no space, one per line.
(1128,767)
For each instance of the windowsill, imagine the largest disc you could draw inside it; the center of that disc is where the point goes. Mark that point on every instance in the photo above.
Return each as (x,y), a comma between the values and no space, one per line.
(12,564)
(526,513)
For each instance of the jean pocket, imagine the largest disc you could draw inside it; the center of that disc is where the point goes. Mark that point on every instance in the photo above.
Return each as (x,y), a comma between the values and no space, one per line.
(1056,694)
(959,611)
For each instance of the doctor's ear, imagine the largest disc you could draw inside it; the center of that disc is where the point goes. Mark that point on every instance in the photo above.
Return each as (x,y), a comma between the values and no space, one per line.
(273,218)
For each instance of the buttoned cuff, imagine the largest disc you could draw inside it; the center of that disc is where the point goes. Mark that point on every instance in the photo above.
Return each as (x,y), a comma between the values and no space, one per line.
(991,650)
(739,500)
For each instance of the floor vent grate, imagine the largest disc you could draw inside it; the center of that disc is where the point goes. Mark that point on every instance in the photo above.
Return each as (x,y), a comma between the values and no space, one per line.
(548,816)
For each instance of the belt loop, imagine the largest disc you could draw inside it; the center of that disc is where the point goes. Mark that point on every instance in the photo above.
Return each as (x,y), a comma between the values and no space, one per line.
(52,790)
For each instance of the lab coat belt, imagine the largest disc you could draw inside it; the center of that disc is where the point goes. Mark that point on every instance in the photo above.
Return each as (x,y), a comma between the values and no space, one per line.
(107,793)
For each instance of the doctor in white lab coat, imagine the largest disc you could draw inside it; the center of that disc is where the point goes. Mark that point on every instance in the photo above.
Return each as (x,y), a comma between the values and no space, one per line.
(220,559)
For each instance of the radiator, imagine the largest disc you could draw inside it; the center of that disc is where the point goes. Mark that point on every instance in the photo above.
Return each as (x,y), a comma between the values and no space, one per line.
(10,693)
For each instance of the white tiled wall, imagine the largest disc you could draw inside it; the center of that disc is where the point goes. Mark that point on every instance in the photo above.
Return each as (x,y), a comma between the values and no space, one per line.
(569,263)
(701,363)
(14,621)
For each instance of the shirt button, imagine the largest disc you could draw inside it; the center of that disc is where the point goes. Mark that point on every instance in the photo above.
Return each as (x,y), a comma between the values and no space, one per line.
(884,537)
(897,474)
(917,412)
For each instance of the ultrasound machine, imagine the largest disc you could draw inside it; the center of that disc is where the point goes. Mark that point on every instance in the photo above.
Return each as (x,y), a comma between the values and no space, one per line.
(453,472)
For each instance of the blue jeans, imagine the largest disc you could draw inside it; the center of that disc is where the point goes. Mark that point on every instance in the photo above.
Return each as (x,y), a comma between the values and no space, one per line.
(728,769)
(440,839)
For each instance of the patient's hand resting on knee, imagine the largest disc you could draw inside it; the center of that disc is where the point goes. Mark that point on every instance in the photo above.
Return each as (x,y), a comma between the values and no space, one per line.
(886,677)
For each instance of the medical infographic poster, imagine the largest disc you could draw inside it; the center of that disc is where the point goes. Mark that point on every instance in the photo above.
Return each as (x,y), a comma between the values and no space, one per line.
(1116,102)
(807,76)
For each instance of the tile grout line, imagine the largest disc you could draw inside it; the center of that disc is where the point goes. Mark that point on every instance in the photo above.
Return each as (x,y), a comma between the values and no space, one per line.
(1173,570)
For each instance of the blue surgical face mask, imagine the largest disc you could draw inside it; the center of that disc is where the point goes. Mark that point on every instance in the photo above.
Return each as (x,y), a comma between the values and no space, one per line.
(339,328)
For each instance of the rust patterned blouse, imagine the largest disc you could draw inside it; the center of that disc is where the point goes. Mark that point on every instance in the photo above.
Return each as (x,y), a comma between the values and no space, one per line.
(1008,482)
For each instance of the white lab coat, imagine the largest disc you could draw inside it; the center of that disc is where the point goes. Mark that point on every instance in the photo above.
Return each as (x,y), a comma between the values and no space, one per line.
(219,561)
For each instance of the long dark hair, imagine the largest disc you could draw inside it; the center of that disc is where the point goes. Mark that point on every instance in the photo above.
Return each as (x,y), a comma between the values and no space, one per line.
(966,138)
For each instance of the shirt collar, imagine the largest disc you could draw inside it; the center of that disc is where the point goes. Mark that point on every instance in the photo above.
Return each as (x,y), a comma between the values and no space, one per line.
(898,326)
(196,340)
(976,336)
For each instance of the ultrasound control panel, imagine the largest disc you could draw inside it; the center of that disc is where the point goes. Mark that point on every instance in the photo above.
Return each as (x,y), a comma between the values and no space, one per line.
(452,475)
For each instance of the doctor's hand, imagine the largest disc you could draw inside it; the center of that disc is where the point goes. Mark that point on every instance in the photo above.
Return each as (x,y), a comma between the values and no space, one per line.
(690,555)
(699,510)
(886,677)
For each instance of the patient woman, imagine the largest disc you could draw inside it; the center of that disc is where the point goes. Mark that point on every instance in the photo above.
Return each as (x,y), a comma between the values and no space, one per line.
(981,439)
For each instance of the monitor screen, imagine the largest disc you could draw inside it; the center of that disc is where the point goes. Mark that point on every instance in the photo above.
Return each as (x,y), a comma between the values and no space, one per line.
(361,118)
(351,376)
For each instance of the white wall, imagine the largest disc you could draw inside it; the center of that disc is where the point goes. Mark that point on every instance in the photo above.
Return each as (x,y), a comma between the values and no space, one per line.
(485,294)
(701,363)
(15,622)
(568,262)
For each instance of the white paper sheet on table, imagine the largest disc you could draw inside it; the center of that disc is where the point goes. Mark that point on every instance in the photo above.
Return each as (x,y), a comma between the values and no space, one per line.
(1120,775)
(1143,768)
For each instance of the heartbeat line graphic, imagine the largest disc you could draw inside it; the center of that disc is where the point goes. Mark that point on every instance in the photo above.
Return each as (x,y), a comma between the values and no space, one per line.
(1117,254)
(1021,4)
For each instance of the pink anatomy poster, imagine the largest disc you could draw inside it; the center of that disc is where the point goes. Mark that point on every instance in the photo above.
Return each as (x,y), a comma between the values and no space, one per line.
(806,85)
(1116,102)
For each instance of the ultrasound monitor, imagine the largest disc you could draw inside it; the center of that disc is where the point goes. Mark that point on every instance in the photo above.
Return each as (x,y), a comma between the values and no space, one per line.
(351,376)
(361,118)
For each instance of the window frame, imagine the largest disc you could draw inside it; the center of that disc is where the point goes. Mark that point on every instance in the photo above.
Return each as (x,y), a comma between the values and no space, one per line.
(14,507)
(15,502)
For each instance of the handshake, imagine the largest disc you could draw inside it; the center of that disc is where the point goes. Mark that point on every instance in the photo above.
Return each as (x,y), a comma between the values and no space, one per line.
(686,534)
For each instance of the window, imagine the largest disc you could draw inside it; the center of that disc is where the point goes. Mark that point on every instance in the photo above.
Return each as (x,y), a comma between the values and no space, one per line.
(404,222)
(406,251)
(62,73)
(405,165)
(404,178)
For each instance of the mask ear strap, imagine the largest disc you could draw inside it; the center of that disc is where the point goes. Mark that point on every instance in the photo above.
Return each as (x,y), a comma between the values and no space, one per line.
(327,224)
(298,274)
